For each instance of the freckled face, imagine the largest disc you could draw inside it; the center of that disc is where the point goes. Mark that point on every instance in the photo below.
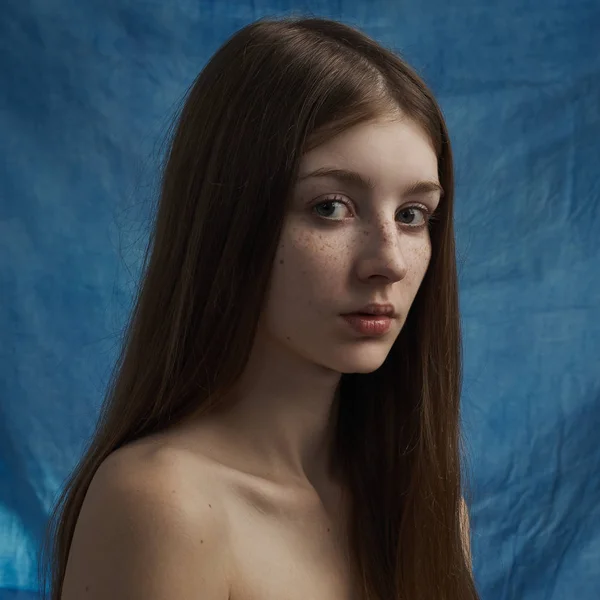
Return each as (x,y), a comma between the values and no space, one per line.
(344,246)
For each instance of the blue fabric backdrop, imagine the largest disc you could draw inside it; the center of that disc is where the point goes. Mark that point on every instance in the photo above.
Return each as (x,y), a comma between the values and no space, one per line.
(86,92)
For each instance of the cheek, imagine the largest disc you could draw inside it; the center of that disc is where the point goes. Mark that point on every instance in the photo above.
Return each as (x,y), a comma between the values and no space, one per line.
(422,258)
(418,257)
(311,258)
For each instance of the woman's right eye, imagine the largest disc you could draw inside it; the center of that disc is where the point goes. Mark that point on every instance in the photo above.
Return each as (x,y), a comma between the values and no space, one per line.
(332,210)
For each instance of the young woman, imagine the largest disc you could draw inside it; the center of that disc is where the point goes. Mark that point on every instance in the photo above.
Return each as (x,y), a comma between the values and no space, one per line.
(284,419)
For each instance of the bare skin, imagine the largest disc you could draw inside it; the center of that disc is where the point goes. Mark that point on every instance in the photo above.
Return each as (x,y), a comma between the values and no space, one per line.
(286,541)
(262,466)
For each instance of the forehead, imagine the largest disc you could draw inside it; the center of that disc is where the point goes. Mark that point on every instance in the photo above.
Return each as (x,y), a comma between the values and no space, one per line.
(384,153)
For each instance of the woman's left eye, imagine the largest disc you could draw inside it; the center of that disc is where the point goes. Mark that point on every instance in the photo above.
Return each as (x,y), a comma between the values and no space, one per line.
(409,214)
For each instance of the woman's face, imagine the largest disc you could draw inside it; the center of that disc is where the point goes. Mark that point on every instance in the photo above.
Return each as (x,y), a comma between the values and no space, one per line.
(345,246)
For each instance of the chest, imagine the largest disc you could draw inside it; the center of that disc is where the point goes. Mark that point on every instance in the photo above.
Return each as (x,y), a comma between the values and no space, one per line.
(291,557)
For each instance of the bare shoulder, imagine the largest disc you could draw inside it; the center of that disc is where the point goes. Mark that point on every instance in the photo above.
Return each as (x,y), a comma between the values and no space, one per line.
(151,527)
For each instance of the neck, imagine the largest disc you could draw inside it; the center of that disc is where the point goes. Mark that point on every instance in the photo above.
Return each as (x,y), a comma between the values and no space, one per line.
(281,415)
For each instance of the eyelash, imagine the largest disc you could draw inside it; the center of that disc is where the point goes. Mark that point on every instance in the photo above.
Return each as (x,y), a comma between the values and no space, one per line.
(428,215)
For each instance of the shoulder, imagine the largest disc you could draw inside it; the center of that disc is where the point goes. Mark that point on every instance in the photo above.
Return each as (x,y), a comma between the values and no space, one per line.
(150,528)
(181,486)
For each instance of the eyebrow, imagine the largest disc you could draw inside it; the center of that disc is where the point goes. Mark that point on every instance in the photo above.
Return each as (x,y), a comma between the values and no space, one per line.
(366,183)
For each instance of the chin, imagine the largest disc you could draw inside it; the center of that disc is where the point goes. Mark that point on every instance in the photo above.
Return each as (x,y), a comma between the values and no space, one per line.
(362,368)
(361,360)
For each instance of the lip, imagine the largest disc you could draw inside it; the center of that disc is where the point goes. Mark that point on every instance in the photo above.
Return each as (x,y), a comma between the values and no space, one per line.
(369,325)
(375,309)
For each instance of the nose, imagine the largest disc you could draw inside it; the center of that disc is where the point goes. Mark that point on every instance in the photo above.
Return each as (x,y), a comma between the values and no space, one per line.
(382,255)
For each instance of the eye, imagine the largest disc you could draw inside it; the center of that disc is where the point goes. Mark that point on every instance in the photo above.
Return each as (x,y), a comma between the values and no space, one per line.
(410,216)
(332,209)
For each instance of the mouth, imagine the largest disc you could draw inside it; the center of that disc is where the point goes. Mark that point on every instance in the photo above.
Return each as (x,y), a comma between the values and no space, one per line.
(375,310)
(368,324)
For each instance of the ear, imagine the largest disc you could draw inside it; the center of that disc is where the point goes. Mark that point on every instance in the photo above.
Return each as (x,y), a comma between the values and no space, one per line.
(465,529)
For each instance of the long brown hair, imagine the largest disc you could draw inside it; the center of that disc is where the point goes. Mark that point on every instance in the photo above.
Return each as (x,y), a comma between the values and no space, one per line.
(276,89)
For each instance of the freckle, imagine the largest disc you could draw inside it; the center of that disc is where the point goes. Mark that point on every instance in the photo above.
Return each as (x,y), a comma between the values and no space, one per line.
(281,261)
(202,541)
(87,588)
(287,337)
